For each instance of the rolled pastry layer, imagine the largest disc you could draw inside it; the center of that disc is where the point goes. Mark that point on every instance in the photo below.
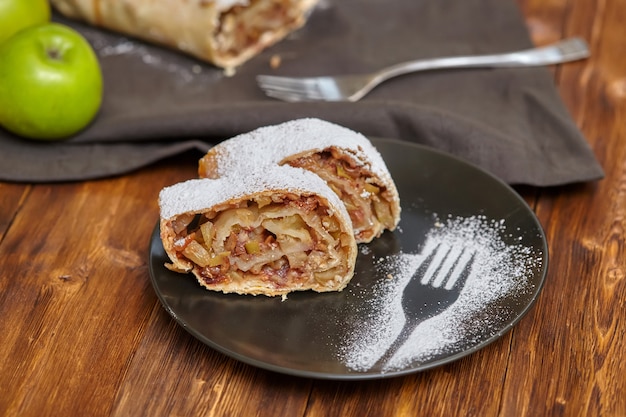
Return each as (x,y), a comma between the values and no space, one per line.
(269,234)
(346,160)
(225,33)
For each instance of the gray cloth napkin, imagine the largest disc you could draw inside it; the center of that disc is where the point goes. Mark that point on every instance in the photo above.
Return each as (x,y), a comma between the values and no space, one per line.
(159,103)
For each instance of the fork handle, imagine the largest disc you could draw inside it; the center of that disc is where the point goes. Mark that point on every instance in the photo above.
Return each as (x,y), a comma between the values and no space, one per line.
(563,51)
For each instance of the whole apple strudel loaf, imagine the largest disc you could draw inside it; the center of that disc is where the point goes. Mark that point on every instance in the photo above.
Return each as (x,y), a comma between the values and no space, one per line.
(268,233)
(225,33)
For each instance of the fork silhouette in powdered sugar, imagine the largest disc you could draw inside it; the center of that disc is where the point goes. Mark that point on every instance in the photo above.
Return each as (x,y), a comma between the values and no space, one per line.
(435,286)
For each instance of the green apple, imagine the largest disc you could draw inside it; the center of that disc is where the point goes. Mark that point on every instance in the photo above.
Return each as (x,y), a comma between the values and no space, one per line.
(50,82)
(16,15)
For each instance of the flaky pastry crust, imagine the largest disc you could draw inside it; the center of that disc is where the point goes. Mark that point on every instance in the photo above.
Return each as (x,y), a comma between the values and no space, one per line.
(225,33)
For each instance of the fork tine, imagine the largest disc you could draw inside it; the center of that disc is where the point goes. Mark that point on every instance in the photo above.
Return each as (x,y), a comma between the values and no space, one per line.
(293,95)
(313,88)
(439,257)
(427,262)
(285,83)
(286,96)
(271,80)
(311,93)
(310,88)
(280,89)
(448,266)
(461,272)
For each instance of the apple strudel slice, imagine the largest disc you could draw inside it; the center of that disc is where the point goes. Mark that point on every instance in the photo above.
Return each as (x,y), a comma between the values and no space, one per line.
(270,234)
(225,33)
(346,160)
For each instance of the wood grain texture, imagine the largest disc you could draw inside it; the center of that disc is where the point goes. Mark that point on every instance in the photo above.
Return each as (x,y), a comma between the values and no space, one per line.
(74,293)
(444,391)
(174,374)
(83,334)
(577,339)
(11,198)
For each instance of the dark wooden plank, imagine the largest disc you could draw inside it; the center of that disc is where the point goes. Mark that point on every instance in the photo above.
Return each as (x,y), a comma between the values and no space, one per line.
(11,198)
(171,373)
(575,341)
(174,374)
(469,387)
(83,333)
(74,292)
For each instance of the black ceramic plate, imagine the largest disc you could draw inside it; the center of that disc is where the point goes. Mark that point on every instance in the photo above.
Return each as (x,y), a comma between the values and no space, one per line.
(338,335)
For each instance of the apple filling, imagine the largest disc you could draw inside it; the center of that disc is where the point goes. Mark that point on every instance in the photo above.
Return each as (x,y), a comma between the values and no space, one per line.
(280,242)
(369,204)
(243,26)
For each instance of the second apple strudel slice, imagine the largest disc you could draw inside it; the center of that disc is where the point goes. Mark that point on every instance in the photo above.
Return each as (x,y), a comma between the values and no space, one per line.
(346,160)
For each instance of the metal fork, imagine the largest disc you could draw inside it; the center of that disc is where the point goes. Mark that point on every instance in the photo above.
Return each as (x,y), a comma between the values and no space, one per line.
(354,87)
(434,287)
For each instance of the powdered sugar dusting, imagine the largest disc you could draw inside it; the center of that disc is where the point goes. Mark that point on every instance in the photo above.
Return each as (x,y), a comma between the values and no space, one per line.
(199,194)
(270,145)
(183,71)
(498,270)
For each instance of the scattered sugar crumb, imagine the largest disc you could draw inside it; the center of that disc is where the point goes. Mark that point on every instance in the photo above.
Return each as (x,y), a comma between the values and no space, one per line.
(275,61)
(183,72)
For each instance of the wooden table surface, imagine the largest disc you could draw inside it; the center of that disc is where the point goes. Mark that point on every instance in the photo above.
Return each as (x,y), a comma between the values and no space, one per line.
(83,333)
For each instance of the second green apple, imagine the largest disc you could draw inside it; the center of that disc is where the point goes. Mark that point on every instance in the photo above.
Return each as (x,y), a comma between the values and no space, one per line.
(16,15)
